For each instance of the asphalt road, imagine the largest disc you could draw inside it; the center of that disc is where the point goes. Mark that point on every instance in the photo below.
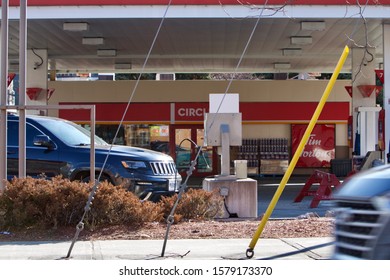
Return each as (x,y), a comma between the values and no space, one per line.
(286,207)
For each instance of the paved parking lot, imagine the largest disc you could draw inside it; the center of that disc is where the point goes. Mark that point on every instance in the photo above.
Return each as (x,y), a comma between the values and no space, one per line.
(285,208)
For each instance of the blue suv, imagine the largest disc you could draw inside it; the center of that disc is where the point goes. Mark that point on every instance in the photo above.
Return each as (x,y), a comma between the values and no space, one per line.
(59,147)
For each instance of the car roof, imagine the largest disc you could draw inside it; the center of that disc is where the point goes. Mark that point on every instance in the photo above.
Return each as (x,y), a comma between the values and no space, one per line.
(13,116)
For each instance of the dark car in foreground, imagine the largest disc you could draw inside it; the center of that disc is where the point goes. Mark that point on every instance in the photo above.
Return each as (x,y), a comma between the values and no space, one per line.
(59,147)
(362,222)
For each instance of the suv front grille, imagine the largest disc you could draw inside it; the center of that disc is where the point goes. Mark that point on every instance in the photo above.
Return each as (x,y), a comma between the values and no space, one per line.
(357,227)
(163,168)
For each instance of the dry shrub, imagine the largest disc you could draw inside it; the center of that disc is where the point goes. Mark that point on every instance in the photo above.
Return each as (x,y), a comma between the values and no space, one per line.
(59,202)
(196,204)
(41,202)
(113,205)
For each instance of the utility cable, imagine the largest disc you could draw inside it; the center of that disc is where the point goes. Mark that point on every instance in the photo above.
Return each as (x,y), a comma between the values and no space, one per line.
(80,225)
(367,55)
(170,219)
(37,64)
(238,64)
(183,187)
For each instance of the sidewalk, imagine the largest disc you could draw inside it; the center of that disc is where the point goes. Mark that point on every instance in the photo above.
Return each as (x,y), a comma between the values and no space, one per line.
(194,249)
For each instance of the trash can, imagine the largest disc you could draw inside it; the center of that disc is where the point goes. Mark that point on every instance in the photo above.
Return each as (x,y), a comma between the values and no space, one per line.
(241,169)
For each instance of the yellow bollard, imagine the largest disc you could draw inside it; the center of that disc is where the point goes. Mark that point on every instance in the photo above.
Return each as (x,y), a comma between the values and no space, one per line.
(309,129)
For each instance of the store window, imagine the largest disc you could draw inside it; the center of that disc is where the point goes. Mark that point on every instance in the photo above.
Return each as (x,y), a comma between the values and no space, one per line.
(155,137)
(107,133)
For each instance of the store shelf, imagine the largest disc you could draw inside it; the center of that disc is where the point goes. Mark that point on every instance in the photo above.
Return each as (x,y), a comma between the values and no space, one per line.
(264,155)
(138,136)
(273,148)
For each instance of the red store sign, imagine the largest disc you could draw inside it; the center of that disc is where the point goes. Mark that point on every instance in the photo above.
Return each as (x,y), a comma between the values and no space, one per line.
(191,111)
(194,112)
(320,147)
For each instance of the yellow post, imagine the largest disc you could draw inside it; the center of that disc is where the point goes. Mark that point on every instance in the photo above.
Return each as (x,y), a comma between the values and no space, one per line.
(309,129)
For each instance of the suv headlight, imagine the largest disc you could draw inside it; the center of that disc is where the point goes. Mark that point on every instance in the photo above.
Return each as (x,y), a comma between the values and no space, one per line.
(382,202)
(131,164)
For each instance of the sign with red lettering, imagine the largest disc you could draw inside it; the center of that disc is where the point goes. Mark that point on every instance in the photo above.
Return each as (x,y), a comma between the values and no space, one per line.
(194,112)
(320,147)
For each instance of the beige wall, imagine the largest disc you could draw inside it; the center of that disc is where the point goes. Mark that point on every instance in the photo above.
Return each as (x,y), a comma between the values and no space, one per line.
(194,91)
(191,91)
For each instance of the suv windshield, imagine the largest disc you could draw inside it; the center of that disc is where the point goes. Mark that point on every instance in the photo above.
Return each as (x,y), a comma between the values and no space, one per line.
(70,133)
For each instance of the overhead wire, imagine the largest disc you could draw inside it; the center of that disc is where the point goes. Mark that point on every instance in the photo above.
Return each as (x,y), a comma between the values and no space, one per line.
(139,77)
(367,55)
(37,64)
(252,7)
(170,218)
(260,16)
(238,65)
(80,225)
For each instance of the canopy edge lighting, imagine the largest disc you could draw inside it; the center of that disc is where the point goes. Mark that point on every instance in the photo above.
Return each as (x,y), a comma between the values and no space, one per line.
(313,25)
(282,65)
(301,40)
(75,26)
(292,51)
(106,53)
(123,66)
(93,41)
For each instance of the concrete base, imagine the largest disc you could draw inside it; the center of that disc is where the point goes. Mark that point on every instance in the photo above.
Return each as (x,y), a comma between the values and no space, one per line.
(241,198)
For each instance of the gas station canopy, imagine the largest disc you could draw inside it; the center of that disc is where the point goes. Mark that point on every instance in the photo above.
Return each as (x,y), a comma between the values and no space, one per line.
(198,36)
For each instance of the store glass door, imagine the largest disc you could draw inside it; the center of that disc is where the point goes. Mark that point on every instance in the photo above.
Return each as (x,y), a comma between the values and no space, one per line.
(185,139)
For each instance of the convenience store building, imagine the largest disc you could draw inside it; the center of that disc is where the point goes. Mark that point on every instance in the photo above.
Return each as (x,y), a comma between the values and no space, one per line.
(167,112)
(270,110)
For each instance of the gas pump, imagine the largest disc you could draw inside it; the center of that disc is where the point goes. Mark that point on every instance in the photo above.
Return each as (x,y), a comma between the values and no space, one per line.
(223,128)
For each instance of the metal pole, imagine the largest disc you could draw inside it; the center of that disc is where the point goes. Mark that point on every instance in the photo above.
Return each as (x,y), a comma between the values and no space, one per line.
(22,87)
(225,143)
(3,93)
(313,121)
(386,87)
(92,150)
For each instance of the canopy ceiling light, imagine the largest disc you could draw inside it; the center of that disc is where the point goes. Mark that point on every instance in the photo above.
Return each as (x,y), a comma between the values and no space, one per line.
(313,25)
(75,26)
(123,66)
(282,65)
(106,53)
(301,40)
(93,41)
(292,51)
